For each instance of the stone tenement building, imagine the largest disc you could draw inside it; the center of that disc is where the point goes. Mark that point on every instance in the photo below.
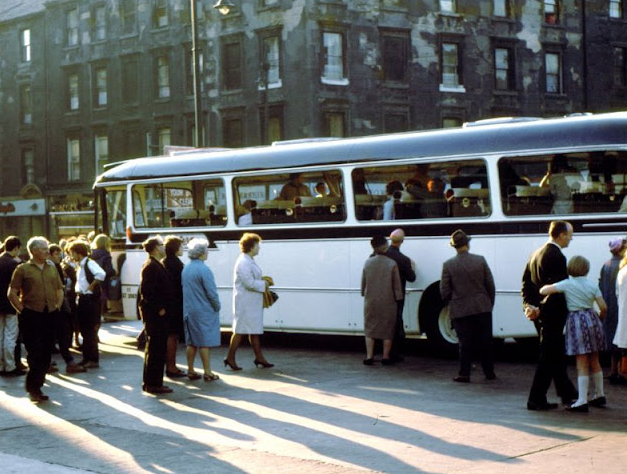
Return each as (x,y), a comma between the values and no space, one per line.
(88,82)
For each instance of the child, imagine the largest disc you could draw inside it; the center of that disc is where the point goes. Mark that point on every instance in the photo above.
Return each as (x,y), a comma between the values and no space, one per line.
(584,330)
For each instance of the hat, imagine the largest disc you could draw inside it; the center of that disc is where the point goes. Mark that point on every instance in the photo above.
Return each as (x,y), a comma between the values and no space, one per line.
(378,241)
(459,238)
(616,244)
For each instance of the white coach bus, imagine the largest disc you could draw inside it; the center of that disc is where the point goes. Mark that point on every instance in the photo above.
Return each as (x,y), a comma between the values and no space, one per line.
(502,183)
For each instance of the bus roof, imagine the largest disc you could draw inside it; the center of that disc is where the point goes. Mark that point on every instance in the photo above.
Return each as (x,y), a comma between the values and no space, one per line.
(590,131)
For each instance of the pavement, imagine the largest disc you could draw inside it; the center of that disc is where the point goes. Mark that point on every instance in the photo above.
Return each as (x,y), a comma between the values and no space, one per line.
(319,410)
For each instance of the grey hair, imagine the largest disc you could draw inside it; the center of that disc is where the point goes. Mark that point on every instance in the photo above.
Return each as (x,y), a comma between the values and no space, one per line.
(35,243)
(196,248)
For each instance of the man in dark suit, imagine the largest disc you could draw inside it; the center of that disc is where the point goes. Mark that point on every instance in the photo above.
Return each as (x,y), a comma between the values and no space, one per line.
(467,286)
(407,270)
(546,266)
(156,293)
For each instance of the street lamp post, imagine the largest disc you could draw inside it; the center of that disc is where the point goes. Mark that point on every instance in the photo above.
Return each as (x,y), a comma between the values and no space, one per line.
(224,7)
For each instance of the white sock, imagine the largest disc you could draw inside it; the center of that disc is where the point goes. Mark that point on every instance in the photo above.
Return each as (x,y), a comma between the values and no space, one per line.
(597,378)
(582,383)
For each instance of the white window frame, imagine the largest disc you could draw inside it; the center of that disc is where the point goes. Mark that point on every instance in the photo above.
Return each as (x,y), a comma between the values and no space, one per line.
(100,23)
(71,27)
(616,9)
(554,72)
(501,8)
(26,104)
(333,69)
(448,6)
(272,51)
(25,45)
(73,92)
(100,84)
(451,81)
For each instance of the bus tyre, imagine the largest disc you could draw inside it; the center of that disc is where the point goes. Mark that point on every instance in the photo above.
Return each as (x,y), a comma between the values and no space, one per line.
(436,323)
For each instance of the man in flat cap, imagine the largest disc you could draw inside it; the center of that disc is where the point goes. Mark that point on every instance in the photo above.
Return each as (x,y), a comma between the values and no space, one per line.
(381,289)
(467,286)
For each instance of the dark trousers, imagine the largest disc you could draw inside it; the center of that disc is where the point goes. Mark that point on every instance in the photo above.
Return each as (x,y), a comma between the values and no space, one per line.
(156,329)
(37,334)
(551,366)
(475,334)
(398,342)
(63,332)
(88,311)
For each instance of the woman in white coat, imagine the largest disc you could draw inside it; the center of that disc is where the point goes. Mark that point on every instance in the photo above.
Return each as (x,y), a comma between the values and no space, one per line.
(620,338)
(248,290)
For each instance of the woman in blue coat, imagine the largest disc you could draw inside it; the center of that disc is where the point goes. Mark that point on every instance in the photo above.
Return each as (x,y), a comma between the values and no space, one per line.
(201,309)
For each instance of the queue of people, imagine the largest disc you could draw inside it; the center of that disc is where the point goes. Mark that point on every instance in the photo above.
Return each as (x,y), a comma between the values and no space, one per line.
(52,294)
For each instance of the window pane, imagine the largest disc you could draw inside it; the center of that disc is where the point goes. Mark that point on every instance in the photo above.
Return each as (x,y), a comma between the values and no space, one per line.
(395,58)
(232,66)
(447,5)
(553,73)
(289,198)
(163,77)
(73,91)
(181,204)
(450,75)
(425,191)
(333,56)
(272,59)
(620,66)
(116,212)
(500,8)
(587,182)
(501,68)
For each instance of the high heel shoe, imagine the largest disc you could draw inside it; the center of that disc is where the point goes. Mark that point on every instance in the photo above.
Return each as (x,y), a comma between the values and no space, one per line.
(265,365)
(232,365)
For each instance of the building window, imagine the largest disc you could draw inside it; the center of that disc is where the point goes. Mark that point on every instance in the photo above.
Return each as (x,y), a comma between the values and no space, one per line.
(335,124)
(100,23)
(160,14)
(232,60)
(553,73)
(25,46)
(273,131)
(448,6)
(72,88)
(129,15)
(620,66)
(451,122)
(163,77)
(271,61)
(503,69)
(26,105)
(189,68)
(551,12)
(164,136)
(333,60)
(616,8)
(73,159)
(28,167)
(501,8)
(451,67)
(233,133)
(130,82)
(101,152)
(100,87)
(395,122)
(71,27)
(269,3)
(395,52)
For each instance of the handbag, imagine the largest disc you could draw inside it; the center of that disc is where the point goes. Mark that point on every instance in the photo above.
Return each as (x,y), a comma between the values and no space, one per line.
(269,298)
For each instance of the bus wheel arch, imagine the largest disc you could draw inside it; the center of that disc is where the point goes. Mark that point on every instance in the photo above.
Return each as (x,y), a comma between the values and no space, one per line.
(434,320)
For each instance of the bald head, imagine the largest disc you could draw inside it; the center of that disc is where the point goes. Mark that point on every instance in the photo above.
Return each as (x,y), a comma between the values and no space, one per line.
(397,236)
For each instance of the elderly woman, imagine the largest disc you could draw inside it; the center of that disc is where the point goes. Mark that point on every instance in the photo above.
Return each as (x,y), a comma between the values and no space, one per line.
(248,290)
(174,267)
(201,309)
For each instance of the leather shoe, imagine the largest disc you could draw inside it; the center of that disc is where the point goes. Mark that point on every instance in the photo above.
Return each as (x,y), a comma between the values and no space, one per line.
(578,409)
(533,406)
(462,379)
(37,396)
(369,361)
(156,390)
(89,364)
(75,369)
(14,373)
(598,402)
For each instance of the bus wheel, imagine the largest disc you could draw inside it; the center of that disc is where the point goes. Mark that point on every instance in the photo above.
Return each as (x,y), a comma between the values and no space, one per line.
(436,323)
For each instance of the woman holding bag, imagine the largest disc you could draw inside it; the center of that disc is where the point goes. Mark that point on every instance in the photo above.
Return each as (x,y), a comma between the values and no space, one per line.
(248,289)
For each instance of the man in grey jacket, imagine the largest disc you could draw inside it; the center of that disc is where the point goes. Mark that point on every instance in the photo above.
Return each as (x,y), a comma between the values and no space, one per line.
(468,288)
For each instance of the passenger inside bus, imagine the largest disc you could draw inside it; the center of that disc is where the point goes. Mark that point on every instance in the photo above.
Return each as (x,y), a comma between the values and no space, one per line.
(556,180)
(321,190)
(247,217)
(294,188)
(393,191)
